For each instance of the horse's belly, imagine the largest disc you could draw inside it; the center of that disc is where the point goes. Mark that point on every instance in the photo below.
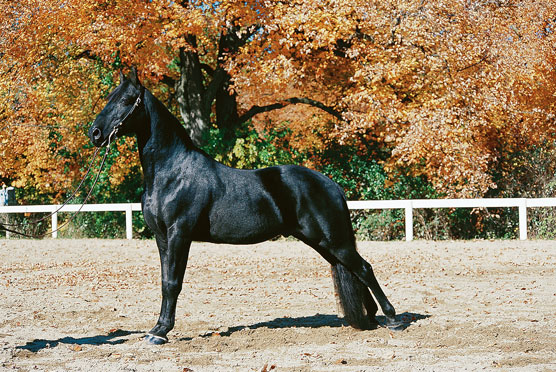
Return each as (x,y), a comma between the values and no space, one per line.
(244,226)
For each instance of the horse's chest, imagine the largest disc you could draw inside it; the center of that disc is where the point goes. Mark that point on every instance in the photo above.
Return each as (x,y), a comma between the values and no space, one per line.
(155,212)
(162,210)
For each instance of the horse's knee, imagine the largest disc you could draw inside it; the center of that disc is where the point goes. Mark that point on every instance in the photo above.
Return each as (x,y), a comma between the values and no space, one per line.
(171,288)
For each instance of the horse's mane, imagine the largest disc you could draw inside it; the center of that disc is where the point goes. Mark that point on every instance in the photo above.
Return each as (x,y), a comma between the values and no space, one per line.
(181,130)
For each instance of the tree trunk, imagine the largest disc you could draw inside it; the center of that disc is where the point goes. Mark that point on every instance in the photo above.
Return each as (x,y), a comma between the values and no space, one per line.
(189,93)
(198,98)
(226,108)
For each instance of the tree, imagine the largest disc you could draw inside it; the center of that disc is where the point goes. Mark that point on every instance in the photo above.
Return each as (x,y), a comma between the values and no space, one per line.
(451,88)
(444,88)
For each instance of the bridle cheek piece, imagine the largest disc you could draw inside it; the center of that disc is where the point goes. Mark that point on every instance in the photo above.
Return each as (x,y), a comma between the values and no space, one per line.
(129,113)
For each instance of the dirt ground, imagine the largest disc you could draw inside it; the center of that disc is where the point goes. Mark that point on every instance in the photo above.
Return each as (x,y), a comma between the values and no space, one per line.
(84,305)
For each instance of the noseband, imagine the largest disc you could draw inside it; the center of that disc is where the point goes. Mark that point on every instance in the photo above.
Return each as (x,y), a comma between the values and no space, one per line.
(140,98)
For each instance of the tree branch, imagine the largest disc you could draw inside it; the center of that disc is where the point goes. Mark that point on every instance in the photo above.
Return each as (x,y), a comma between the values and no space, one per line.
(87,54)
(219,77)
(289,101)
(483,59)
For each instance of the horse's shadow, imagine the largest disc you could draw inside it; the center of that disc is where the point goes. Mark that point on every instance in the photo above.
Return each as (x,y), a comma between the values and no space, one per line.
(112,338)
(403,321)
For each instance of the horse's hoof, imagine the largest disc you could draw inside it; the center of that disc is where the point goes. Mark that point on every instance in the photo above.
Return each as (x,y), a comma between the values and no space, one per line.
(155,340)
(373,324)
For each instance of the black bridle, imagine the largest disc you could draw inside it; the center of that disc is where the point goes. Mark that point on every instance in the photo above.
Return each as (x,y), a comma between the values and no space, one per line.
(106,143)
(137,103)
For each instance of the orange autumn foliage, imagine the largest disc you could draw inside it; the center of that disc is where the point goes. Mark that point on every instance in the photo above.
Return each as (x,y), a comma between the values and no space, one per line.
(447,87)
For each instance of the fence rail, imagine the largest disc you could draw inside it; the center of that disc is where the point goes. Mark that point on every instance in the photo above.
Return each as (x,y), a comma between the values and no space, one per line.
(408,205)
(128,208)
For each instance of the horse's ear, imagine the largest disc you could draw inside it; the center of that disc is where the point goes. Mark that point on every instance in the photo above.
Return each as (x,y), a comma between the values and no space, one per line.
(133,76)
(122,77)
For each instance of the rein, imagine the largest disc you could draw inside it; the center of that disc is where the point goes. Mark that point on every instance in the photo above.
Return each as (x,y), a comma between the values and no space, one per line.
(106,143)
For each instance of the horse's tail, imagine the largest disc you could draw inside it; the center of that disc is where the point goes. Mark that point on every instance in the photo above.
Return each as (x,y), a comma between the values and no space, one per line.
(354,297)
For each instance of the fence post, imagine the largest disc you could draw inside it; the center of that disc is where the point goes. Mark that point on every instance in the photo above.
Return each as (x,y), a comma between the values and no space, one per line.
(523,219)
(7,221)
(7,197)
(128,222)
(54,225)
(409,221)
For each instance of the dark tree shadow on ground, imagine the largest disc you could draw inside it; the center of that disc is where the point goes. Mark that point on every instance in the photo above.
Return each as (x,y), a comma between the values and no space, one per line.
(403,321)
(109,339)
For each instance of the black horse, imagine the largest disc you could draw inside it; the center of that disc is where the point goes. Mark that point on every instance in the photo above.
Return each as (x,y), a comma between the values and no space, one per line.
(189,196)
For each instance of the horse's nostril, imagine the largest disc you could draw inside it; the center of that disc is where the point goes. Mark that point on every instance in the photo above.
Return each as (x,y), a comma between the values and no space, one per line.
(97,133)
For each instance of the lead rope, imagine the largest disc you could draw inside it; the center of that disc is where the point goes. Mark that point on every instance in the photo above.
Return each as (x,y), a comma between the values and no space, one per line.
(109,140)
(112,134)
(36,221)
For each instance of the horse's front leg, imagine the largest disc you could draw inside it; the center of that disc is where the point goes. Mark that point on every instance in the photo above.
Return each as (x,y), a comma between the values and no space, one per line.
(173,261)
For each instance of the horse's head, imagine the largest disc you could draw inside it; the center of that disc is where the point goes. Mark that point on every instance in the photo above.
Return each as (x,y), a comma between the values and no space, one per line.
(124,103)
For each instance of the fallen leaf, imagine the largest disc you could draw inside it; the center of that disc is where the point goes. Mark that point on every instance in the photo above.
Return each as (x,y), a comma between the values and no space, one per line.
(76,348)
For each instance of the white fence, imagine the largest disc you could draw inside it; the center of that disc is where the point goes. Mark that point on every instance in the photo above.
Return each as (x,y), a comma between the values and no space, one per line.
(128,208)
(408,205)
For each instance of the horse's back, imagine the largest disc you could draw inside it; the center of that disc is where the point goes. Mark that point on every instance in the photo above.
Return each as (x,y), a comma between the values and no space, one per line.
(310,188)
(312,179)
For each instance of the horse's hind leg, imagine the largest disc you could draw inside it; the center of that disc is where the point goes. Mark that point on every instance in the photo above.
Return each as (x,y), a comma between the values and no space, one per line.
(173,261)
(353,261)
(355,300)
(339,246)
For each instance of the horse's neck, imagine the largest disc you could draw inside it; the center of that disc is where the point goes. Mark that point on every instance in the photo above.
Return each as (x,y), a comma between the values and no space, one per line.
(160,136)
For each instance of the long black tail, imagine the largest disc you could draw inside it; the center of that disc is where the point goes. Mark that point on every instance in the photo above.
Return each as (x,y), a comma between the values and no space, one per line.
(355,300)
